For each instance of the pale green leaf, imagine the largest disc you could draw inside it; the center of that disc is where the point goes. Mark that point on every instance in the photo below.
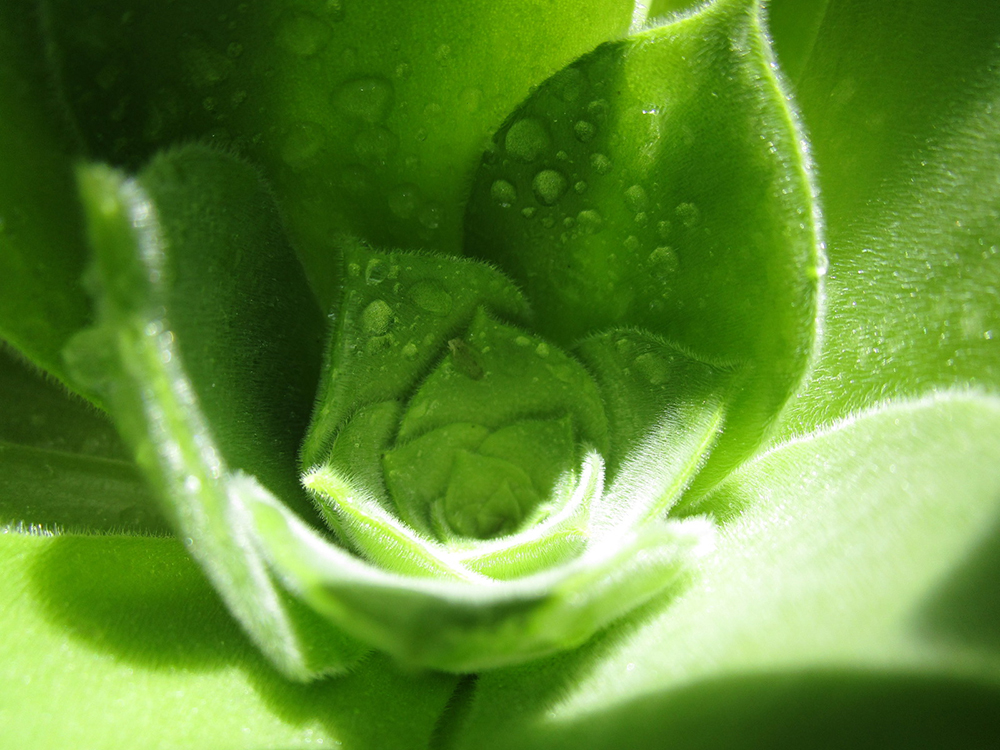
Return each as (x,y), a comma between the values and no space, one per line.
(121,642)
(860,565)
(901,109)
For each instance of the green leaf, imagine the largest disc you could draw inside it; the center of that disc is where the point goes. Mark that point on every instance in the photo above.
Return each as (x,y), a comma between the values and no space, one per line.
(662,182)
(844,575)
(42,252)
(900,107)
(207,353)
(121,642)
(457,454)
(793,26)
(367,117)
(62,465)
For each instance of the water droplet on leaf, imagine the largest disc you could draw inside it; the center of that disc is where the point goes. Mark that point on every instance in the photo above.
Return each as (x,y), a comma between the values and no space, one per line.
(503,192)
(590,221)
(431,297)
(365,99)
(549,186)
(527,139)
(403,200)
(376,319)
(584,131)
(302,143)
(600,163)
(303,34)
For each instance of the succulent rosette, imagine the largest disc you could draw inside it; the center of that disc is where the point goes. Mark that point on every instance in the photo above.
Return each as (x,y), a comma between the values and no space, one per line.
(489,358)
(494,462)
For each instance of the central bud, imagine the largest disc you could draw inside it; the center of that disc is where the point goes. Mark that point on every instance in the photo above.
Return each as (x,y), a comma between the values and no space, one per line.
(485,437)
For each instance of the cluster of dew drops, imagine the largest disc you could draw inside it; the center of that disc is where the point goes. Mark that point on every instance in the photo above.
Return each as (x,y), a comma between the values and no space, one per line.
(550,166)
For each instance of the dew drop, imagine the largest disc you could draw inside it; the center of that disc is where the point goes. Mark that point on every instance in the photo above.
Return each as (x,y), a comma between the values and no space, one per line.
(688,213)
(503,192)
(542,350)
(375,146)
(378,344)
(303,142)
(335,10)
(356,180)
(376,271)
(410,351)
(580,187)
(234,50)
(404,200)
(528,212)
(590,221)
(431,297)
(303,34)
(653,368)
(430,216)
(376,319)
(663,229)
(443,54)
(568,84)
(549,186)
(636,198)
(365,99)
(206,66)
(664,258)
(598,110)
(600,163)
(631,243)
(527,139)
(584,131)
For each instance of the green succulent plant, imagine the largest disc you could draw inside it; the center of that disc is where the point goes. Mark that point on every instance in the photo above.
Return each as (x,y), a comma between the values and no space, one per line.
(463,375)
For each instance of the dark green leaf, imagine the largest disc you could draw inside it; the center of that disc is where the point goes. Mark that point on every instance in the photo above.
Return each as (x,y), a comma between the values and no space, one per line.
(367,117)
(42,251)
(62,465)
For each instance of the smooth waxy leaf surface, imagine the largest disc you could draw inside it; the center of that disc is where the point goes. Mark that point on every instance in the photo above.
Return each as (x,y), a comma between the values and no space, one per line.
(646,186)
